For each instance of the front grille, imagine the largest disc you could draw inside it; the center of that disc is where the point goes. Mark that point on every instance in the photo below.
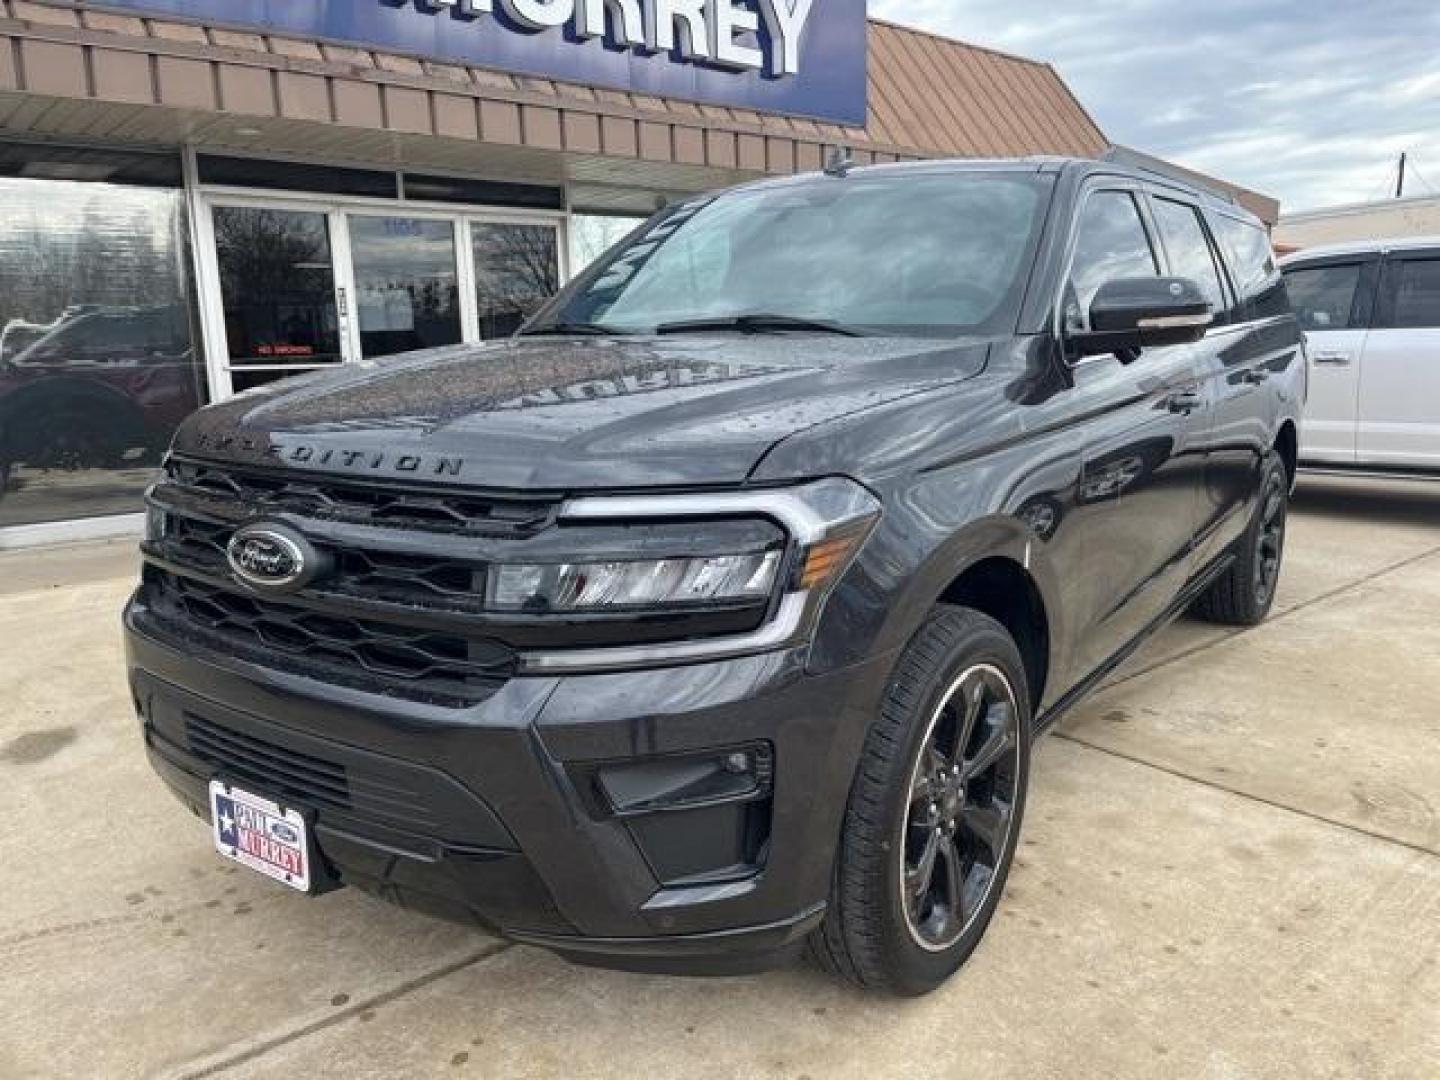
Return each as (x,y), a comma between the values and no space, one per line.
(400,546)
(379,657)
(288,774)
(399,558)
(437,582)
(332,499)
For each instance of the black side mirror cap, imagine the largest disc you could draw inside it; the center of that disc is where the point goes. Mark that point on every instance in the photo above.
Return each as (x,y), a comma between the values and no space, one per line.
(1130,314)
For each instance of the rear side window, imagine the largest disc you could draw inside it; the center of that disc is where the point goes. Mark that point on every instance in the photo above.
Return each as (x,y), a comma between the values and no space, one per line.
(1110,242)
(1324,296)
(1415,294)
(1189,249)
(1252,261)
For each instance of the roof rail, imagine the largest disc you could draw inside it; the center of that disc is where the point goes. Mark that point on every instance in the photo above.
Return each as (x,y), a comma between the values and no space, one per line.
(1134,159)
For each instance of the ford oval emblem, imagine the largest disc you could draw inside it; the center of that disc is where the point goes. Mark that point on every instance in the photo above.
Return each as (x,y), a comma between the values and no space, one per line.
(279,830)
(272,558)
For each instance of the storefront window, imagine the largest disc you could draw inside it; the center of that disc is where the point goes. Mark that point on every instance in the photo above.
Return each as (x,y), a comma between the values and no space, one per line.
(517,268)
(277,280)
(97,361)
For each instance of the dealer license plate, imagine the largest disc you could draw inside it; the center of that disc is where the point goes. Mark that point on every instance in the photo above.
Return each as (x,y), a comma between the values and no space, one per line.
(257,833)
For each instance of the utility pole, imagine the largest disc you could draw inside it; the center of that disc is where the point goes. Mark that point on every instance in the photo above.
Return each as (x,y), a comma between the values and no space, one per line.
(1400,181)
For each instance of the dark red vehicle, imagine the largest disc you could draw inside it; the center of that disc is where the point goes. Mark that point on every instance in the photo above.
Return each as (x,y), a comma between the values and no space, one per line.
(99,388)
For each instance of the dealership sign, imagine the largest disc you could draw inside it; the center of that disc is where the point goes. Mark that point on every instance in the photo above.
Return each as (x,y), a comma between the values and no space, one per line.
(802,57)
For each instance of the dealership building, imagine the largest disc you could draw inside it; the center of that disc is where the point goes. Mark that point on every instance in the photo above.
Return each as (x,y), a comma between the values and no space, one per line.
(202,196)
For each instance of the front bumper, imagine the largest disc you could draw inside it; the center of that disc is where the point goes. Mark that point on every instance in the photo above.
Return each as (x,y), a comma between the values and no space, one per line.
(496,815)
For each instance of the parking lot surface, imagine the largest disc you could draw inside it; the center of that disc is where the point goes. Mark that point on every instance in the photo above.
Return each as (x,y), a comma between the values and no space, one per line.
(1230,869)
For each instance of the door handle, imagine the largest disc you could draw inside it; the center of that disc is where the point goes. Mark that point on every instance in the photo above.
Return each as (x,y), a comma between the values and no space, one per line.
(1255,376)
(1329,358)
(1184,402)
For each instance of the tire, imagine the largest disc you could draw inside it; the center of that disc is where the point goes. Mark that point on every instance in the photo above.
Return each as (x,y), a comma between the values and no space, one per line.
(1245,593)
(886,929)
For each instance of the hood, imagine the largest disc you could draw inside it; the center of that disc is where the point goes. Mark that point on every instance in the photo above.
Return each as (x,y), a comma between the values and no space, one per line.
(562,414)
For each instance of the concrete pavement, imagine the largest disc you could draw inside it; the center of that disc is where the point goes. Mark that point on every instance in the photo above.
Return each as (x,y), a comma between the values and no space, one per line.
(1231,869)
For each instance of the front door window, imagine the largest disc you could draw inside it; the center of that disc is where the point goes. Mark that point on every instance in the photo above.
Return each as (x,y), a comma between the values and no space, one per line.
(1110,243)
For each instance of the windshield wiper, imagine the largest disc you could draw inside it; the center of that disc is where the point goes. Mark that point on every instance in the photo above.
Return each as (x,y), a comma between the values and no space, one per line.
(572,329)
(758,322)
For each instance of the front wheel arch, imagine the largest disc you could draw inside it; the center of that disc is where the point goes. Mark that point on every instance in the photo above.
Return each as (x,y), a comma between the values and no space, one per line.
(1005,591)
(983,566)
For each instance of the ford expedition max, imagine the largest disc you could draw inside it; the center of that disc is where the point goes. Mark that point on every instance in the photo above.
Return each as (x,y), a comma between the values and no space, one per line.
(713,615)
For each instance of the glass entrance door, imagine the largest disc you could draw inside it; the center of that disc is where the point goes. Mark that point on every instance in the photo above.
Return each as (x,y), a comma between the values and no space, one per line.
(407,283)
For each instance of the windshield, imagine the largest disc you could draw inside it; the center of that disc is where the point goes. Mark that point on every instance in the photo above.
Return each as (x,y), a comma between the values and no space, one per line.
(936,254)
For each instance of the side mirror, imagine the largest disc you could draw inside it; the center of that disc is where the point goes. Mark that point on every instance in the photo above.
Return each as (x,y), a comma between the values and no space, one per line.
(1130,314)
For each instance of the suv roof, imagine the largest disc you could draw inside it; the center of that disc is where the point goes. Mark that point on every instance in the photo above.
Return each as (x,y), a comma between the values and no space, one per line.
(1113,165)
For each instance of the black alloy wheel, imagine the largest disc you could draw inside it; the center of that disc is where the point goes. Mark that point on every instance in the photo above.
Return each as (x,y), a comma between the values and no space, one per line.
(1270,542)
(961,807)
(935,812)
(1244,594)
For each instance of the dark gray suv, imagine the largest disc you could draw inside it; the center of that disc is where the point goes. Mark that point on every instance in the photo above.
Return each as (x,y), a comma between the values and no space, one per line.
(715,612)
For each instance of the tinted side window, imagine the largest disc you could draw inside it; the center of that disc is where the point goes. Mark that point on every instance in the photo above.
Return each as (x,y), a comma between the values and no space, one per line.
(1324,296)
(1252,261)
(1110,242)
(1189,249)
(1415,288)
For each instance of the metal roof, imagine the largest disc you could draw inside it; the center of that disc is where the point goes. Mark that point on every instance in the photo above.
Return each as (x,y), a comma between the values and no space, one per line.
(938,96)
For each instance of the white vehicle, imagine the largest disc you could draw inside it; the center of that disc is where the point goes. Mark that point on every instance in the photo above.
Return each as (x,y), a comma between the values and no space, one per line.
(1371,314)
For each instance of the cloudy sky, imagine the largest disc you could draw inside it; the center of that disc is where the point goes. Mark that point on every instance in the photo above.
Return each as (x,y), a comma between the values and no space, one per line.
(1309,101)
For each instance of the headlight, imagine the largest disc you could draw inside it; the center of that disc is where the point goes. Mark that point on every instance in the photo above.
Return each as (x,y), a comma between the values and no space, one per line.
(649,584)
(782,584)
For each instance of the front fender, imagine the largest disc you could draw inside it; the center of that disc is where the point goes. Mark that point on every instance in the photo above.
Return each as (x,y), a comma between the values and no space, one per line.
(909,564)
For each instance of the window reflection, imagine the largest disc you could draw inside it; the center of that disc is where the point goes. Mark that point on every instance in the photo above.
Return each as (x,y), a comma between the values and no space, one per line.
(944,259)
(1189,250)
(278,284)
(1110,243)
(407,287)
(592,235)
(1253,262)
(97,363)
(517,268)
